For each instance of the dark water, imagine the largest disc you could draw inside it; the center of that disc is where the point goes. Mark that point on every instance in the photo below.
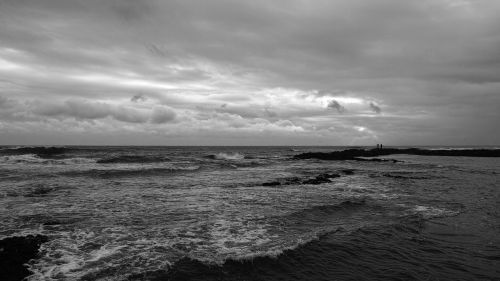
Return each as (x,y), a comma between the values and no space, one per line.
(202,213)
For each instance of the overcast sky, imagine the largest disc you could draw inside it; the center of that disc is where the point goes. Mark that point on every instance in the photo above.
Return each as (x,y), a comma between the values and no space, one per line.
(260,72)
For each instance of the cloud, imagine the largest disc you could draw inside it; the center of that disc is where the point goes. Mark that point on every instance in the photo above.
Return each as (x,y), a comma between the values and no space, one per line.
(91,110)
(336,105)
(3,101)
(139,98)
(162,114)
(427,62)
(375,108)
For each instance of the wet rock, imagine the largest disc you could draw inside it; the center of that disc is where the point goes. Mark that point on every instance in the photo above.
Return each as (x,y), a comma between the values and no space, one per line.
(272,183)
(354,154)
(15,252)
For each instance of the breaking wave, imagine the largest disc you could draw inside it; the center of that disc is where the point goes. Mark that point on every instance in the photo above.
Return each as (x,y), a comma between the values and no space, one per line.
(36,159)
(119,173)
(363,254)
(226,156)
(133,159)
(42,151)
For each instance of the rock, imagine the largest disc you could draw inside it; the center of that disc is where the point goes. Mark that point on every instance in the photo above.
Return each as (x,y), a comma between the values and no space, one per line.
(272,183)
(292,180)
(354,154)
(322,178)
(348,171)
(15,252)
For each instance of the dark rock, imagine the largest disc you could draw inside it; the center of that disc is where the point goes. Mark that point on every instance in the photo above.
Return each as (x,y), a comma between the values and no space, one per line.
(348,171)
(316,181)
(323,178)
(354,154)
(15,252)
(292,180)
(272,183)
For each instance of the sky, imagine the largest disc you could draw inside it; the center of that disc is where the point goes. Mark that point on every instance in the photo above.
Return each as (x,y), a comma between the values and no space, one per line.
(260,72)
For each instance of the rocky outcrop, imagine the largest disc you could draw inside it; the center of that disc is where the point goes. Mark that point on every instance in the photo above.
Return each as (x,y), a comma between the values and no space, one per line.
(355,154)
(15,252)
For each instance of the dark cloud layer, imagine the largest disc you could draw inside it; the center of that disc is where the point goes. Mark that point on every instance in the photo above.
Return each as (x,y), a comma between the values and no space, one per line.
(158,69)
(337,106)
(375,108)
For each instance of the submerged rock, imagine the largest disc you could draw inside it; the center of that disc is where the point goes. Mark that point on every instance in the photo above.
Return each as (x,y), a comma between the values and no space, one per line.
(15,252)
(272,183)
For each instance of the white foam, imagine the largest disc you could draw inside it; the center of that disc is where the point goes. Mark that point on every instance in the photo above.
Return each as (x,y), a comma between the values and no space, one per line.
(34,159)
(74,255)
(229,156)
(430,212)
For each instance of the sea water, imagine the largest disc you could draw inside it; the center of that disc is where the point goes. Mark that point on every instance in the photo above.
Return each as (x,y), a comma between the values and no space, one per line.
(127,213)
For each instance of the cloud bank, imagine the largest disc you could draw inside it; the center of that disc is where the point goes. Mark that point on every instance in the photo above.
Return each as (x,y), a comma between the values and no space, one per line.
(222,72)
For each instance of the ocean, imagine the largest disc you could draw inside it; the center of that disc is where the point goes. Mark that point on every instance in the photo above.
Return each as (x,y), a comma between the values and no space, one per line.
(251,213)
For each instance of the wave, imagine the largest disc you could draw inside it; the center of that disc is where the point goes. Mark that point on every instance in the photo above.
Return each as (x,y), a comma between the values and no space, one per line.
(118,173)
(407,175)
(318,213)
(226,156)
(399,251)
(434,212)
(133,159)
(36,159)
(41,151)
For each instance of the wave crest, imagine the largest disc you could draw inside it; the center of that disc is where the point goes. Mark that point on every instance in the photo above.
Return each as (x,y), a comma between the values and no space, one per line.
(133,159)
(36,159)
(226,156)
(42,151)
